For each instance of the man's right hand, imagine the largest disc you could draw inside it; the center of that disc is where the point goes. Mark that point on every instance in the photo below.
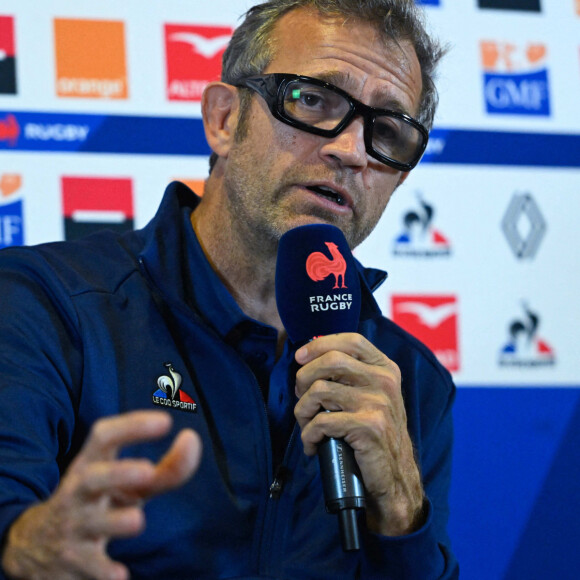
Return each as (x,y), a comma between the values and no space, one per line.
(99,498)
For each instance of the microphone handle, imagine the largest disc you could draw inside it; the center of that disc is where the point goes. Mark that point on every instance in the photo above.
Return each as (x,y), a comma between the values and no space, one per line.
(343,488)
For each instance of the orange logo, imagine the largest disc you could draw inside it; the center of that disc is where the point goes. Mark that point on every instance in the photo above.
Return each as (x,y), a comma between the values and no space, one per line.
(90,59)
(196,185)
(10,183)
(318,266)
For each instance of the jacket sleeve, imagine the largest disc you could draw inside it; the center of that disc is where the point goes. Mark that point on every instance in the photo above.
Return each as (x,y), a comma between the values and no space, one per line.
(39,364)
(429,394)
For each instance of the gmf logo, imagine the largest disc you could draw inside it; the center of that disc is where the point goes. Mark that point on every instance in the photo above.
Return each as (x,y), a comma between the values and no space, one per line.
(11,213)
(90,59)
(433,320)
(194,55)
(515,78)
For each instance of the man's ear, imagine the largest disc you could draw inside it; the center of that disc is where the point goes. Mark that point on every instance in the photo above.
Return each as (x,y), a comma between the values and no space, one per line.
(219,109)
(404,176)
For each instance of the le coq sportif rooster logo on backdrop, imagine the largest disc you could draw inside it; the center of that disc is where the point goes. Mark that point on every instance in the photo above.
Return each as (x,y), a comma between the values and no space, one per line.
(319,266)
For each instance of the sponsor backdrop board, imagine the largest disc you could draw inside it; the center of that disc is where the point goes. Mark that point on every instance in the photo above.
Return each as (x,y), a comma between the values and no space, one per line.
(99,110)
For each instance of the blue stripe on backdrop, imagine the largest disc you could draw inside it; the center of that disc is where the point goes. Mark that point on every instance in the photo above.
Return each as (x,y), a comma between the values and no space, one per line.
(503,148)
(515,495)
(67,132)
(24,131)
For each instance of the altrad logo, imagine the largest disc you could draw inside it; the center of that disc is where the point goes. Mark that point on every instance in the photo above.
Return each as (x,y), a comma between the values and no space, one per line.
(433,319)
(194,58)
(169,393)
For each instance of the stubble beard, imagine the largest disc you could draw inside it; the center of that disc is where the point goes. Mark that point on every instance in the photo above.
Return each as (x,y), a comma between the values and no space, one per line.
(256,205)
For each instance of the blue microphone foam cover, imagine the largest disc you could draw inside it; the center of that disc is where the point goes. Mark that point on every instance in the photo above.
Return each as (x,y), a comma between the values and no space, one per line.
(317,284)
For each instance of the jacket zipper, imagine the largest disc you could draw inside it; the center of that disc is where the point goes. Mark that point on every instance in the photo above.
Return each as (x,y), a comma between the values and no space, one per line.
(272,534)
(276,480)
(265,524)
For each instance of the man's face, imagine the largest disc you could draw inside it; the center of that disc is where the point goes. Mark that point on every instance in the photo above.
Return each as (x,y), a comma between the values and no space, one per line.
(270,173)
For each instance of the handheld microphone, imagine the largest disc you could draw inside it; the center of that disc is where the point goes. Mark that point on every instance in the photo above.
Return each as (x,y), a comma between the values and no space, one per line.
(318,293)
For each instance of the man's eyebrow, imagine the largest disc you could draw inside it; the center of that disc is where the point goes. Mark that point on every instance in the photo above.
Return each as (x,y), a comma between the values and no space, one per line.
(381,100)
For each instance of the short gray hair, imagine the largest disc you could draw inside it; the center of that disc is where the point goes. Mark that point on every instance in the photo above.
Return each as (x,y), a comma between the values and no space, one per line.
(250,50)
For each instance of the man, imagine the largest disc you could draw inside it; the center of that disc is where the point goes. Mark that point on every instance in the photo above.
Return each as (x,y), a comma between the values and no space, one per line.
(185,318)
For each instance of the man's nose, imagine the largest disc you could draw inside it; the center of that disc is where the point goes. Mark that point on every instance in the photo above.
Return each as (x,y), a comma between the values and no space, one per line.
(348,146)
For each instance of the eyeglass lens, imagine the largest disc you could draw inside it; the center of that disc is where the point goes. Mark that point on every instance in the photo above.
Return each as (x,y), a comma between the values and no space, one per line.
(322,108)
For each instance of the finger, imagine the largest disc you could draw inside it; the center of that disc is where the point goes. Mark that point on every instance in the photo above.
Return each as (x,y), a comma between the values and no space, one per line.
(323,396)
(339,367)
(120,478)
(331,424)
(351,343)
(119,522)
(333,366)
(92,563)
(364,432)
(177,465)
(331,396)
(110,434)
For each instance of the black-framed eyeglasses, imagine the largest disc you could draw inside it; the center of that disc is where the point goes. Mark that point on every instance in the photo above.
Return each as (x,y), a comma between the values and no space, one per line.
(318,107)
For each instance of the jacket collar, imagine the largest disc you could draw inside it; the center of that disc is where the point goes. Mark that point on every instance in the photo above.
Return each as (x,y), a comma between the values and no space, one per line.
(164,251)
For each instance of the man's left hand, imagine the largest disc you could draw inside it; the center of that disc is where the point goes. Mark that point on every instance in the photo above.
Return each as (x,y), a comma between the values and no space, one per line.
(347,374)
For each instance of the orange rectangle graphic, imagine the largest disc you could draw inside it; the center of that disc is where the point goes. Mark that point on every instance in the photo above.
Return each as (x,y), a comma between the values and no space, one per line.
(90,59)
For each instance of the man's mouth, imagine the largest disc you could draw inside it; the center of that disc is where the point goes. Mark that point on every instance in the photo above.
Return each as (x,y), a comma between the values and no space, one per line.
(328,193)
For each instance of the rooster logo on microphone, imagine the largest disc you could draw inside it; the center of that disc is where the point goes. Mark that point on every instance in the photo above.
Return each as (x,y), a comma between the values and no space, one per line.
(319,267)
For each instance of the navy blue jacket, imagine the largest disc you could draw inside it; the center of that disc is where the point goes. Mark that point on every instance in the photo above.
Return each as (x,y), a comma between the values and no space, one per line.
(87,328)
